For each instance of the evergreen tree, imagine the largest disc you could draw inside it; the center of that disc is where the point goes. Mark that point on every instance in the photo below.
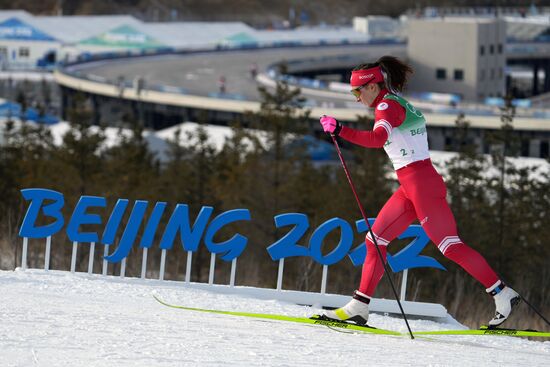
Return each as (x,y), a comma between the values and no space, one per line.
(25,161)
(21,99)
(10,184)
(130,171)
(80,153)
(466,185)
(131,167)
(504,143)
(281,150)
(46,94)
(187,178)
(283,120)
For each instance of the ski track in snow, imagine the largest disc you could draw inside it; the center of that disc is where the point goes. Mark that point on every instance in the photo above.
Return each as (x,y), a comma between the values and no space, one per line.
(63,319)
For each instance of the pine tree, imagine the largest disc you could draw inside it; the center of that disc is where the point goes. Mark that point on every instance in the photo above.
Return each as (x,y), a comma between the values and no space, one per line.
(466,183)
(187,178)
(21,99)
(130,171)
(25,162)
(46,94)
(283,119)
(131,166)
(504,144)
(81,151)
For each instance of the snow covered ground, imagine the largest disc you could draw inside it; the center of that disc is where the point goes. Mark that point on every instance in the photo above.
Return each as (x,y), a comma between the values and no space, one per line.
(62,319)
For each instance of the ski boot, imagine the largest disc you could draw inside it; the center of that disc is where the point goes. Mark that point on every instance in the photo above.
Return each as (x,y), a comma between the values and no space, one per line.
(506,299)
(356,310)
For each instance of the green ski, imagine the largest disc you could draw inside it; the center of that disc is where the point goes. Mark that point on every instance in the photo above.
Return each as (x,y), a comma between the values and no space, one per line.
(484,330)
(302,320)
(316,320)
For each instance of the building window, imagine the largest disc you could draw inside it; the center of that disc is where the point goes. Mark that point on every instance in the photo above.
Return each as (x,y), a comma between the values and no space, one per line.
(24,52)
(440,74)
(492,74)
(459,74)
(482,75)
(491,49)
(500,73)
(500,48)
(482,50)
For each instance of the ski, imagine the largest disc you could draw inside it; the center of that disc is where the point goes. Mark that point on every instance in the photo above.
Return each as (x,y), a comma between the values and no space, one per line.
(315,320)
(318,320)
(484,330)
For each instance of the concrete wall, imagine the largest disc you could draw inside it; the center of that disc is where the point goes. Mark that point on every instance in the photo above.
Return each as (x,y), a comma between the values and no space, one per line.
(492,37)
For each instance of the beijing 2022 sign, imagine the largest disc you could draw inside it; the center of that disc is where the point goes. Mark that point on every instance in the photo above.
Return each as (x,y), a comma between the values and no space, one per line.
(46,203)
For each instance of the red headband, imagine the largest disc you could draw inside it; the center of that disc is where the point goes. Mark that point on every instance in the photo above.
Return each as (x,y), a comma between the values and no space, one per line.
(361,77)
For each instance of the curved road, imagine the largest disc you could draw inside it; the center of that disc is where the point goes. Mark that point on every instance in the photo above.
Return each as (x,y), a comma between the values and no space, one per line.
(199,73)
(192,80)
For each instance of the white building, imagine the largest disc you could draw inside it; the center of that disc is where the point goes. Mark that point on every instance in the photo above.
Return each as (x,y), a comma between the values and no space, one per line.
(463,56)
(28,42)
(21,43)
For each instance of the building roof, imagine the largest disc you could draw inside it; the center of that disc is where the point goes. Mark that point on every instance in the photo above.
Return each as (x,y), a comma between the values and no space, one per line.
(21,14)
(111,30)
(182,34)
(73,29)
(305,34)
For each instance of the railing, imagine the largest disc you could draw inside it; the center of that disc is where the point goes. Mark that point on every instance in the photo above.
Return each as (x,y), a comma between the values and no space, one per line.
(420,309)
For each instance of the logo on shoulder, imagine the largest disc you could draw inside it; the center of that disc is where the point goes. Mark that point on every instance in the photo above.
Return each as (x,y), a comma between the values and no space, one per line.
(382,106)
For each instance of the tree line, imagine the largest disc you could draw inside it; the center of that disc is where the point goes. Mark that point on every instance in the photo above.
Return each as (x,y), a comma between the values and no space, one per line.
(502,215)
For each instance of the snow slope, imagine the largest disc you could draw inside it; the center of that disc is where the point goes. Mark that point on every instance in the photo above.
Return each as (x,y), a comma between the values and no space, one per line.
(62,319)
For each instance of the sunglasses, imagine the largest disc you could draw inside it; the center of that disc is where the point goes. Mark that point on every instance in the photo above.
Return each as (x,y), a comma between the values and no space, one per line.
(357,91)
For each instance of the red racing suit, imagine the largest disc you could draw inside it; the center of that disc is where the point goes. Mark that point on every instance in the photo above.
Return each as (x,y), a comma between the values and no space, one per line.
(401,130)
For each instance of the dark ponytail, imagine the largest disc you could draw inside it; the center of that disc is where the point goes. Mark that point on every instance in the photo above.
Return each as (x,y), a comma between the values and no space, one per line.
(396,72)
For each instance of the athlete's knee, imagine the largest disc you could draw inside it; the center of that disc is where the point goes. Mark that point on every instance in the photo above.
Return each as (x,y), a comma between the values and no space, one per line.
(380,241)
(449,245)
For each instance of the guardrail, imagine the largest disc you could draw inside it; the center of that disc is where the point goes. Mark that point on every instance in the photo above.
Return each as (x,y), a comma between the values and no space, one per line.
(320,299)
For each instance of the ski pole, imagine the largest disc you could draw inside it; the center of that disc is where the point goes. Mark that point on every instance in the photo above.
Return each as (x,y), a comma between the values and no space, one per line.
(534,309)
(370,230)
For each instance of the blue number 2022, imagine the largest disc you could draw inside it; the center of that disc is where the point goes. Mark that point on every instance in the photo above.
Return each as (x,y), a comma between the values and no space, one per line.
(288,245)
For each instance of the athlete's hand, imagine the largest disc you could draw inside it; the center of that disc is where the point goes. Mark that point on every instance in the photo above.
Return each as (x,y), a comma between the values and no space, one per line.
(330,125)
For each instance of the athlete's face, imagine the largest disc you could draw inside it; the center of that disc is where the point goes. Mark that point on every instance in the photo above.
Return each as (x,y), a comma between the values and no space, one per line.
(368,94)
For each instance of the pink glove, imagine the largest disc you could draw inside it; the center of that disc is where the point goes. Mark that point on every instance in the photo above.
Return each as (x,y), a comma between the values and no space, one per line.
(330,125)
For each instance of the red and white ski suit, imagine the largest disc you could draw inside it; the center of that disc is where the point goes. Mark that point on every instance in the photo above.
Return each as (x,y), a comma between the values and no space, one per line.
(421,195)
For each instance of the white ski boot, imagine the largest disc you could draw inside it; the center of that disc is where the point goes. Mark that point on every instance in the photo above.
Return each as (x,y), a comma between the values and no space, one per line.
(356,310)
(506,299)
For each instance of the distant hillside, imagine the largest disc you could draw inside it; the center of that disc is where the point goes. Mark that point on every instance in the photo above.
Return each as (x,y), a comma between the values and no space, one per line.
(258,13)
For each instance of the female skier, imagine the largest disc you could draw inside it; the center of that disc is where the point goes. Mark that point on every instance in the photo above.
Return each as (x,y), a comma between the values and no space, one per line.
(401,130)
